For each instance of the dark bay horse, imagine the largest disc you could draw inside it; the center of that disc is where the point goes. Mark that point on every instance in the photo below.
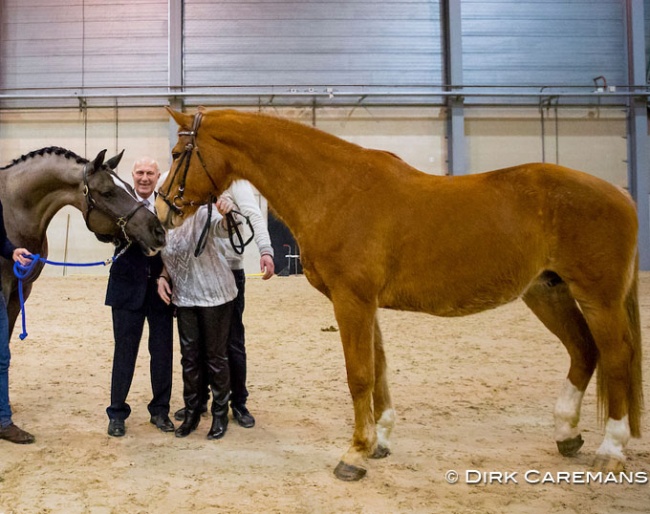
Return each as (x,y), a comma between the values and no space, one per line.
(34,187)
(375,232)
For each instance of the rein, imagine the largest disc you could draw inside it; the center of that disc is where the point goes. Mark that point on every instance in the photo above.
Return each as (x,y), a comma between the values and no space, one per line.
(233,232)
(22,272)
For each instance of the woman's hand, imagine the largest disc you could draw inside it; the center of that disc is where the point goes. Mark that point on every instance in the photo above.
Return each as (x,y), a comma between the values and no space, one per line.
(224,205)
(164,289)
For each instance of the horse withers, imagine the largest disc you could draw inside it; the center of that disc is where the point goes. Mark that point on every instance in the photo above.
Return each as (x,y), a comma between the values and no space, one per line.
(35,186)
(562,240)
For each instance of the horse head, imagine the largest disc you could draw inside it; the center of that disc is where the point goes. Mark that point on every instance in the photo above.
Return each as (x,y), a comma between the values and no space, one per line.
(195,178)
(113,212)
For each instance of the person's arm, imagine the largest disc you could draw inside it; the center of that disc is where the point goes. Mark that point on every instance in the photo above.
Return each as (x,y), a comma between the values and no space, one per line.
(243,196)
(6,246)
(7,249)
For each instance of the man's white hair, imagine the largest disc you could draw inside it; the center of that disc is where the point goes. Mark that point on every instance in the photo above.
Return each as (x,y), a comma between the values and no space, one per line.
(146,161)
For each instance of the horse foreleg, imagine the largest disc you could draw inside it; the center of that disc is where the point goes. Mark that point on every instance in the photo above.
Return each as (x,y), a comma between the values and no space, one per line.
(551,301)
(384,412)
(356,323)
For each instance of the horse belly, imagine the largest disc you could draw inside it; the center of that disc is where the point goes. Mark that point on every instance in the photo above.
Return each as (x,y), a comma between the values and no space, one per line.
(450,298)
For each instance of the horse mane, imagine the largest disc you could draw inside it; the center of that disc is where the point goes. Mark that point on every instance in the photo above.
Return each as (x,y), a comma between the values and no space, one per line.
(50,150)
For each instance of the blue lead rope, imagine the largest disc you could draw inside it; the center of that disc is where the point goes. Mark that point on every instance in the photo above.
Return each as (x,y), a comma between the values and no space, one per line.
(22,272)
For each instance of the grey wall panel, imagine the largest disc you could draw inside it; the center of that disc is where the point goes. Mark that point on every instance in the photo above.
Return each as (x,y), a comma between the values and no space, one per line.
(299,44)
(646,16)
(542,42)
(230,43)
(54,44)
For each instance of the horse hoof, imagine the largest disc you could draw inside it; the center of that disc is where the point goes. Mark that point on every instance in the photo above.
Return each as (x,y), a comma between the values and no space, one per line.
(348,472)
(608,464)
(380,452)
(570,447)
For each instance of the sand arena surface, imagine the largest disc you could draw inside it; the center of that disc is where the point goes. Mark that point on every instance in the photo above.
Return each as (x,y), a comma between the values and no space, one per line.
(472,394)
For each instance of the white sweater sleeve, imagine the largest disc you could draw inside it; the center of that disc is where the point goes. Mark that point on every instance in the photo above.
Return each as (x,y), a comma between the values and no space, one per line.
(241,193)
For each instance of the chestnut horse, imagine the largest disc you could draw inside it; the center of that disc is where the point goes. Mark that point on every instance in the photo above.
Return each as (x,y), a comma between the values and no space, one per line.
(34,187)
(374,232)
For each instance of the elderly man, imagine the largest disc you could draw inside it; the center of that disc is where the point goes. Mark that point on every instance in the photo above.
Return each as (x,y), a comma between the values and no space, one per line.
(132,295)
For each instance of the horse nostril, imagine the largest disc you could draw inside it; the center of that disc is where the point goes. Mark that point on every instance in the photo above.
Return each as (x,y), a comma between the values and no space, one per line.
(160,233)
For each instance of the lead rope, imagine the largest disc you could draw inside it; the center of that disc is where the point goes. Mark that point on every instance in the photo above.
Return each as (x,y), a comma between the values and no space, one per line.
(22,272)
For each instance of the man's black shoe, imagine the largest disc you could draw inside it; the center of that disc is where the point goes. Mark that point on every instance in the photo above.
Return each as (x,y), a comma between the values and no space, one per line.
(242,416)
(116,428)
(162,422)
(179,415)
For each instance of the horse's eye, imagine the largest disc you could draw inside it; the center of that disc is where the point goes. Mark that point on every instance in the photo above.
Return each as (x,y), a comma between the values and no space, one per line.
(176,155)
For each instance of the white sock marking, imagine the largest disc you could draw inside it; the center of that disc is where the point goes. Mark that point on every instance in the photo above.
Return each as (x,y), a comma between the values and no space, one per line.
(567,412)
(385,427)
(617,434)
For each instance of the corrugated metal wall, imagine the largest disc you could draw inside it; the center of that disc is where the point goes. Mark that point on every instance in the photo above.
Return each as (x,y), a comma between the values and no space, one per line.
(540,42)
(646,14)
(97,43)
(315,42)
(89,43)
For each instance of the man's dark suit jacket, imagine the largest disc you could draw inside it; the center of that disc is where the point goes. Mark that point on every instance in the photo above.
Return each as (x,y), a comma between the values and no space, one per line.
(130,276)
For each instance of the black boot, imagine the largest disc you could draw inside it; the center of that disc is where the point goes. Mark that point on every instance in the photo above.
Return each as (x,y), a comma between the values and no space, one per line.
(191,421)
(219,419)
(219,427)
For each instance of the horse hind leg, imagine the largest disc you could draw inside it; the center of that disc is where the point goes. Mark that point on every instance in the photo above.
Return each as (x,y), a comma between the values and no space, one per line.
(616,330)
(551,301)
(383,408)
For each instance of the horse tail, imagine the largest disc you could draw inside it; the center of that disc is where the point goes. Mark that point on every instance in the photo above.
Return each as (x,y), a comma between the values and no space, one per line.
(633,338)
(635,391)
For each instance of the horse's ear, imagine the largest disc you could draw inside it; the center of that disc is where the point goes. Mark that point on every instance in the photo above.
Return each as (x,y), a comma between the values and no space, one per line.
(201,109)
(99,160)
(183,120)
(114,161)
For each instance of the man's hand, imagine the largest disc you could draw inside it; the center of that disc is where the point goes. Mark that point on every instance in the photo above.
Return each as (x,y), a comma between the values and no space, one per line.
(267,266)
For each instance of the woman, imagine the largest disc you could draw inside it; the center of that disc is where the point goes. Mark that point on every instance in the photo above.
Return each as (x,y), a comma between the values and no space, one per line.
(203,291)
(8,431)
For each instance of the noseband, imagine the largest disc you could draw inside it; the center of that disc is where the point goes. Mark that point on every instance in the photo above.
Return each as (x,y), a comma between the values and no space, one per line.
(120,221)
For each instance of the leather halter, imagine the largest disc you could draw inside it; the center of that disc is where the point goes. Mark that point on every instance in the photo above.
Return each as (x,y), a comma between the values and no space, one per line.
(120,221)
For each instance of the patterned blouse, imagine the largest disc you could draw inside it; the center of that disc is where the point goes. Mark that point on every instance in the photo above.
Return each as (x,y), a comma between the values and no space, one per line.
(203,281)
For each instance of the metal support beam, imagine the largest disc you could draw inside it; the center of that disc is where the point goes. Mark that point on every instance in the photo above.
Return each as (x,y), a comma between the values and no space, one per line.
(175,8)
(637,136)
(453,49)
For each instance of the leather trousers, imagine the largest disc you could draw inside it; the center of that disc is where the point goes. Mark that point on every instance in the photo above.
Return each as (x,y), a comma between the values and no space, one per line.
(203,334)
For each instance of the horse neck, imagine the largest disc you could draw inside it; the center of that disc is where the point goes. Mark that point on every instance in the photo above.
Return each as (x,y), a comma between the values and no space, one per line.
(36,189)
(289,165)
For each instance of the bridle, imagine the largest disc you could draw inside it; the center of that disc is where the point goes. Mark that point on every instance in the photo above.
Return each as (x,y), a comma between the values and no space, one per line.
(120,221)
(178,202)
